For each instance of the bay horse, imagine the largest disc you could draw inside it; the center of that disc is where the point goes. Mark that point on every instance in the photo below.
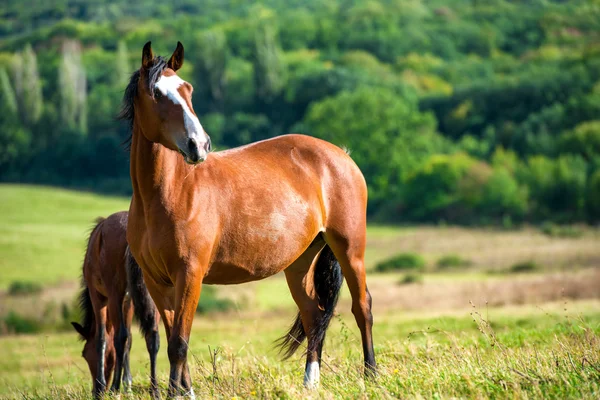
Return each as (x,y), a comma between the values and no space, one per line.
(107,307)
(293,203)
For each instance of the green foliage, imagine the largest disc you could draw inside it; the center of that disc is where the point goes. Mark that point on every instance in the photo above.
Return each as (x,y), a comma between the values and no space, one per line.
(452,261)
(269,68)
(565,231)
(401,262)
(557,187)
(14,139)
(15,323)
(28,87)
(513,85)
(411,278)
(377,124)
(593,197)
(524,267)
(19,288)
(456,187)
(210,67)
(73,88)
(584,140)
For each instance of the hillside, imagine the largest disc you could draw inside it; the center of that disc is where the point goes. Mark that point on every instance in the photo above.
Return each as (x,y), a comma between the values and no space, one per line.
(459,112)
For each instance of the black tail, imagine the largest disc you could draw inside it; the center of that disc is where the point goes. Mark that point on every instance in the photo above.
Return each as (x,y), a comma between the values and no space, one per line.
(328,282)
(143,305)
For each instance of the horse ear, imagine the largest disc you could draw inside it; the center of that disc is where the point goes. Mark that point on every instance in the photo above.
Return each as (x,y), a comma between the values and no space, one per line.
(147,56)
(80,329)
(176,60)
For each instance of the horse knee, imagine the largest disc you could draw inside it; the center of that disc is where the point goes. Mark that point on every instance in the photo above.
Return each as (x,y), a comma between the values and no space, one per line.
(177,350)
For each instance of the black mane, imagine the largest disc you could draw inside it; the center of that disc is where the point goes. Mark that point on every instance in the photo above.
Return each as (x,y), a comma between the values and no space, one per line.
(127,112)
(87,309)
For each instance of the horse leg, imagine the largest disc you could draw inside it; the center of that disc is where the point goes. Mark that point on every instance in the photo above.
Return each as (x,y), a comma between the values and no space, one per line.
(153,345)
(350,250)
(187,293)
(128,318)
(186,381)
(100,313)
(163,309)
(120,341)
(300,282)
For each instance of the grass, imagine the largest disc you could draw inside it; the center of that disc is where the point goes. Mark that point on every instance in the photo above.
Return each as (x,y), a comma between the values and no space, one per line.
(43,231)
(502,353)
(430,343)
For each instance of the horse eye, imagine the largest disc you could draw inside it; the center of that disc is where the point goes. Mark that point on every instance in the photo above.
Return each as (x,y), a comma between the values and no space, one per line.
(157,94)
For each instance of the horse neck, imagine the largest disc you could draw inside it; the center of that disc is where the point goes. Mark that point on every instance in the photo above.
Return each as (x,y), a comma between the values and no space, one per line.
(155,171)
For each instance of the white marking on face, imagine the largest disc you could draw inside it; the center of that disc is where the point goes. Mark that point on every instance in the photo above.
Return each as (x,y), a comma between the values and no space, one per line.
(312,375)
(168,86)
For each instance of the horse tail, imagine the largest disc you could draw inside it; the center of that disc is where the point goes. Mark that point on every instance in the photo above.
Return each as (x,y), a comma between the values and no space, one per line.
(328,280)
(143,305)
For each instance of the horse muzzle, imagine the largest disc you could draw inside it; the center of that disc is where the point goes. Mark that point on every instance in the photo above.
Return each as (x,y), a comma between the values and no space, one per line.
(195,153)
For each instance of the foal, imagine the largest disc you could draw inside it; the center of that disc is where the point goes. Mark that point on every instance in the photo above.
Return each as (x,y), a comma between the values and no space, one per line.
(108,310)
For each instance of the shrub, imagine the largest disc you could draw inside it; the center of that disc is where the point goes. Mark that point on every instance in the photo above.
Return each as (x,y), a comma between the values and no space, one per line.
(15,323)
(20,288)
(525,266)
(452,261)
(411,278)
(564,231)
(402,261)
(211,303)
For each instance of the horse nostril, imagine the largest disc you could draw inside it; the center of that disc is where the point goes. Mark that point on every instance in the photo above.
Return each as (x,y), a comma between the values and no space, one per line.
(208,145)
(192,145)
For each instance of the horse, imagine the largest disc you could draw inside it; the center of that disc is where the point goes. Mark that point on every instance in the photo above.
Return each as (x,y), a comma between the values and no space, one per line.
(293,203)
(107,307)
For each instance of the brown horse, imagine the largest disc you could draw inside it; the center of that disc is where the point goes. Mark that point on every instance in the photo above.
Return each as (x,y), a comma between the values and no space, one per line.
(108,310)
(293,203)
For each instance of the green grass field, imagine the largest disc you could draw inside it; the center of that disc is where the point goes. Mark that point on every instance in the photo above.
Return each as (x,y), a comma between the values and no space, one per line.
(43,231)
(472,333)
(522,352)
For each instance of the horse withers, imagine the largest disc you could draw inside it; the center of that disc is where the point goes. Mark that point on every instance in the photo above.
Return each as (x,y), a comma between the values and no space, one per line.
(107,307)
(293,203)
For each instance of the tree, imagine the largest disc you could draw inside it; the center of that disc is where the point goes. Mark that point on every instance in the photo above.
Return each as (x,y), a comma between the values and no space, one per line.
(122,67)
(28,88)
(210,65)
(14,140)
(269,68)
(386,133)
(73,88)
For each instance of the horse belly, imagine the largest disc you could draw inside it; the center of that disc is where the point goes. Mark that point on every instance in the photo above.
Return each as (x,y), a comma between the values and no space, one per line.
(260,252)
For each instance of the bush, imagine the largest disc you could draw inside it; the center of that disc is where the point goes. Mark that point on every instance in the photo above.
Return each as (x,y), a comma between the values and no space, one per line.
(452,261)
(400,262)
(564,231)
(525,266)
(15,323)
(411,278)
(211,303)
(21,288)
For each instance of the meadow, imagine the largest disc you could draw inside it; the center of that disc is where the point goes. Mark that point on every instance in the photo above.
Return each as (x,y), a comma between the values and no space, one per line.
(481,329)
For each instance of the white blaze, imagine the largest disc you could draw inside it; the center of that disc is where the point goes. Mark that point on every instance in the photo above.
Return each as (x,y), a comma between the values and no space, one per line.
(168,86)
(311,375)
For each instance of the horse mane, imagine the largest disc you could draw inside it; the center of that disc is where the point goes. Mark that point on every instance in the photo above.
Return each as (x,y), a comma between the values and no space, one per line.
(85,301)
(152,75)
